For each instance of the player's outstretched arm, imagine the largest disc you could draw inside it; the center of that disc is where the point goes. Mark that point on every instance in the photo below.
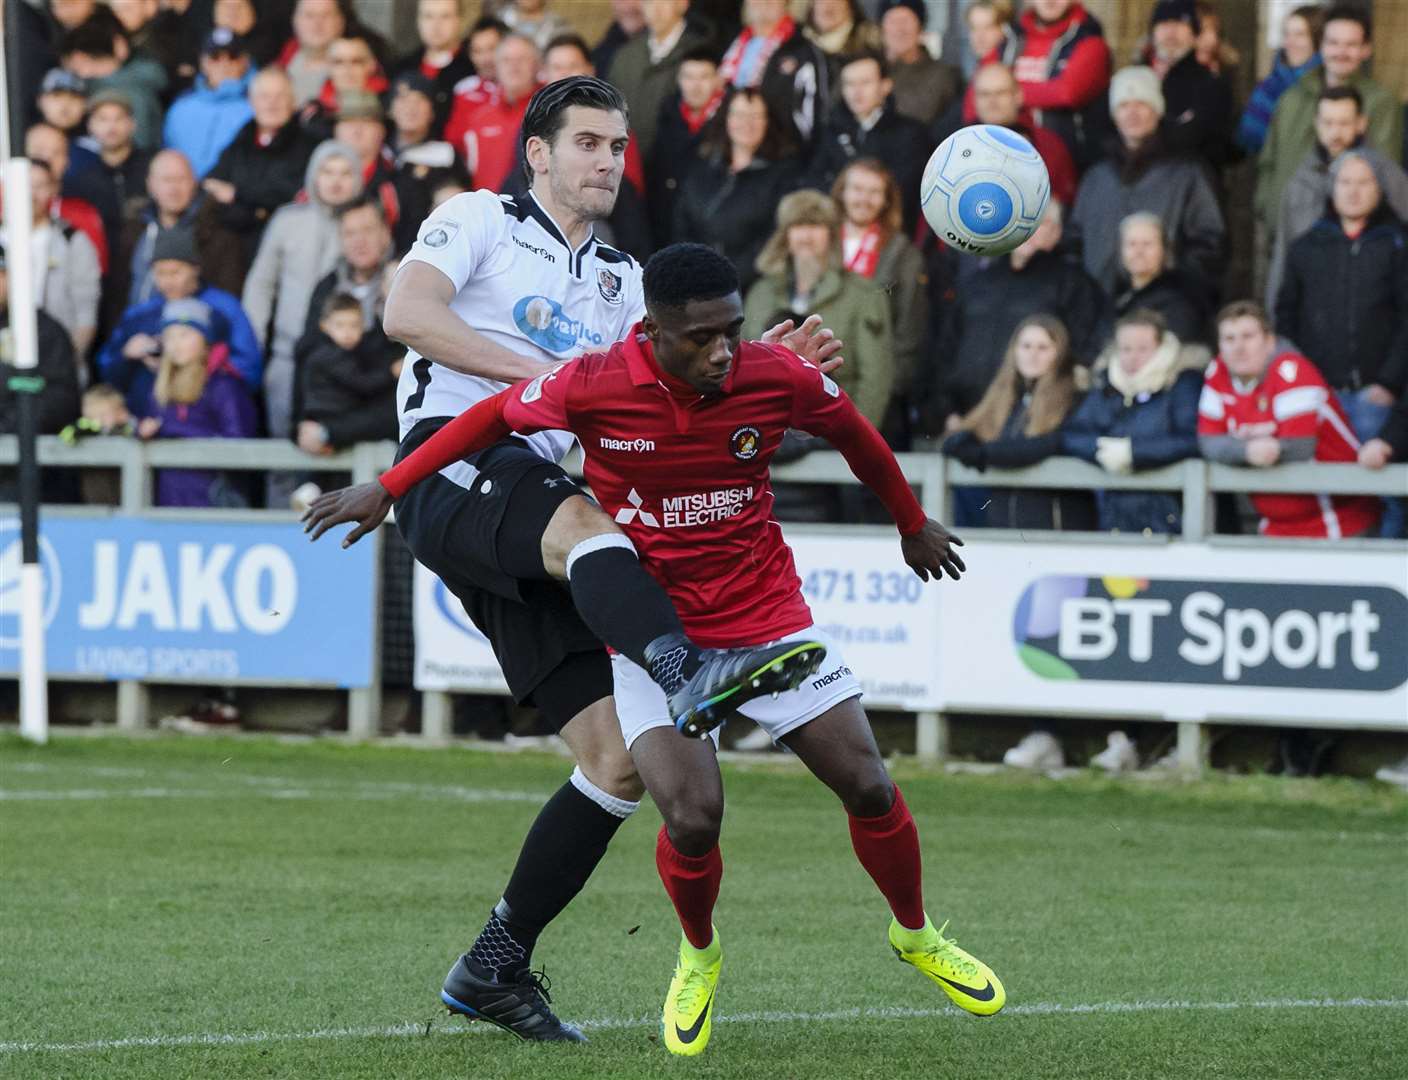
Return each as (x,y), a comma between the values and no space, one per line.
(418,315)
(811,341)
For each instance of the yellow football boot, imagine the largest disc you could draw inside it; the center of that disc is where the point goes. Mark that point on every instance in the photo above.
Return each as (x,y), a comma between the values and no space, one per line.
(689,1004)
(969,983)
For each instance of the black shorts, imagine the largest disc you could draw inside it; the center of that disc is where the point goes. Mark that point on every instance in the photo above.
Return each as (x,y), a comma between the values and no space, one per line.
(548,656)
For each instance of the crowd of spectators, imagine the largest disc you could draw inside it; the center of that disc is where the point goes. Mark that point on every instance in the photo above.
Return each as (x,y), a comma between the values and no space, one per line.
(221,190)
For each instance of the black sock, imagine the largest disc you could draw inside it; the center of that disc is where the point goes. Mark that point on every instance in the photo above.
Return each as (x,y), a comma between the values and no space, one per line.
(621,603)
(567,840)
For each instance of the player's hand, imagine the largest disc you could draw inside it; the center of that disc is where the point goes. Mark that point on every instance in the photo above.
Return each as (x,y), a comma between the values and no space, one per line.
(811,341)
(366,504)
(929,552)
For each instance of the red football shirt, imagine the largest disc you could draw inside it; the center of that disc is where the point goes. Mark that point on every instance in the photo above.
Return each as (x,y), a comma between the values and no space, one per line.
(1292,401)
(686,476)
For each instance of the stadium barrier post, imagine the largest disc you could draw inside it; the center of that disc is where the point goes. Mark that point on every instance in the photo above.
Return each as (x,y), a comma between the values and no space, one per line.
(134,698)
(931,728)
(364,703)
(1195,499)
(1192,745)
(436,714)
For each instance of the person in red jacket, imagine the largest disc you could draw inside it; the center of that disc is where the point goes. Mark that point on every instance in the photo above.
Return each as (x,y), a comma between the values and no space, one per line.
(997,96)
(484,133)
(1060,57)
(1261,406)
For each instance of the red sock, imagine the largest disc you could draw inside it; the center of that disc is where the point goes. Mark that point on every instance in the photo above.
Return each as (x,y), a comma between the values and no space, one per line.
(888,847)
(693,885)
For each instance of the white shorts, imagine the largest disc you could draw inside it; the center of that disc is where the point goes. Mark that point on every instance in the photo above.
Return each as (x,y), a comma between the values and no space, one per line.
(641,705)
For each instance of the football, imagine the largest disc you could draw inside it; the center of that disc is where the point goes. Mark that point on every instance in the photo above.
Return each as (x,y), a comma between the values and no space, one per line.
(984,190)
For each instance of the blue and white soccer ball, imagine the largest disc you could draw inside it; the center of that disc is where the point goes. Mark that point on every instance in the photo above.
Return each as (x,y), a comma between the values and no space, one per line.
(984,190)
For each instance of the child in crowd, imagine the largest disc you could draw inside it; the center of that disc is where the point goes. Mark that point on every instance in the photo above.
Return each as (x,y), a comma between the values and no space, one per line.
(191,402)
(346,389)
(104,413)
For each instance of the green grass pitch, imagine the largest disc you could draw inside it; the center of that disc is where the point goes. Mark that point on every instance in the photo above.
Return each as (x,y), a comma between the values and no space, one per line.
(201,908)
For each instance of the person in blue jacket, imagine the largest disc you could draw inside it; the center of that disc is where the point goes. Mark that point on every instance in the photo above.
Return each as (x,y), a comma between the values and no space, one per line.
(206,119)
(129,359)
(1141,413)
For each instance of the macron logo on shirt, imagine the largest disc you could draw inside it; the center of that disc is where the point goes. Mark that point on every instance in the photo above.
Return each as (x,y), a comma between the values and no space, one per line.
(638,446)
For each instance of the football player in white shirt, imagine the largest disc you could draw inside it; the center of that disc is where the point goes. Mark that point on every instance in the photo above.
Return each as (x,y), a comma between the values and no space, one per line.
(494,291)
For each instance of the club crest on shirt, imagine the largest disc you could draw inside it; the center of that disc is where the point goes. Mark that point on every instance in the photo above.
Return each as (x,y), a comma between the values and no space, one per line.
(439,233)
(745,443)
(610,285)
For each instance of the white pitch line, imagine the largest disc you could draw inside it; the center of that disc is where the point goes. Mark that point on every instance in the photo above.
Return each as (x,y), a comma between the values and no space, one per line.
(621,1022)
(358,794)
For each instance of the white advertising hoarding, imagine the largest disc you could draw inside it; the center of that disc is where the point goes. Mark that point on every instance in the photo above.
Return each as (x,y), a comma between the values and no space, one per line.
(860,592)
(1184,631)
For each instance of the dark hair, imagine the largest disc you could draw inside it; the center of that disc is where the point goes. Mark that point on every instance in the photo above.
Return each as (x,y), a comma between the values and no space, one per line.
(1245,309)
(488,22)
(547,111)
(866,54)
(777,144)
(363,201)
(96,35)
(1349,13)
(1313,16)
(339,301)
(1144,317)
(575,41)
(701,54)
(683,272)
(36,163)
(1341,93)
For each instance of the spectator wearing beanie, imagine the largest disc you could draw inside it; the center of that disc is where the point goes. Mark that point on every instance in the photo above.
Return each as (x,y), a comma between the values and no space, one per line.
(1141,174)
(442,58)
(300,245)
(924,88)
(63,103)
(172,202)
(263,167)
(1197,104)
(127,360)
(206,119)
(190,401)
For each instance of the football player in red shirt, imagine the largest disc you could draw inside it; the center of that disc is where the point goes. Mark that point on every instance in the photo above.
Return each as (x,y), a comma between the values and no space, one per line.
(678,424)
(1261,406)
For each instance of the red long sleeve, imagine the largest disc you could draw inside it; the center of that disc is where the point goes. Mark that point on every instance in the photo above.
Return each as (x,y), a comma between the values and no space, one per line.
(474,429)
(873,463)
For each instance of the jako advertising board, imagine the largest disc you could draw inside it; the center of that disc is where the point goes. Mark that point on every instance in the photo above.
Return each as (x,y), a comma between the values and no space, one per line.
(860,591)
(176,601)
(1187,631)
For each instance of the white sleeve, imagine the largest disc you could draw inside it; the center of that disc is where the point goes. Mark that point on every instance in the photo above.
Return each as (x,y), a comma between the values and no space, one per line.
(459,234)
(633,303)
